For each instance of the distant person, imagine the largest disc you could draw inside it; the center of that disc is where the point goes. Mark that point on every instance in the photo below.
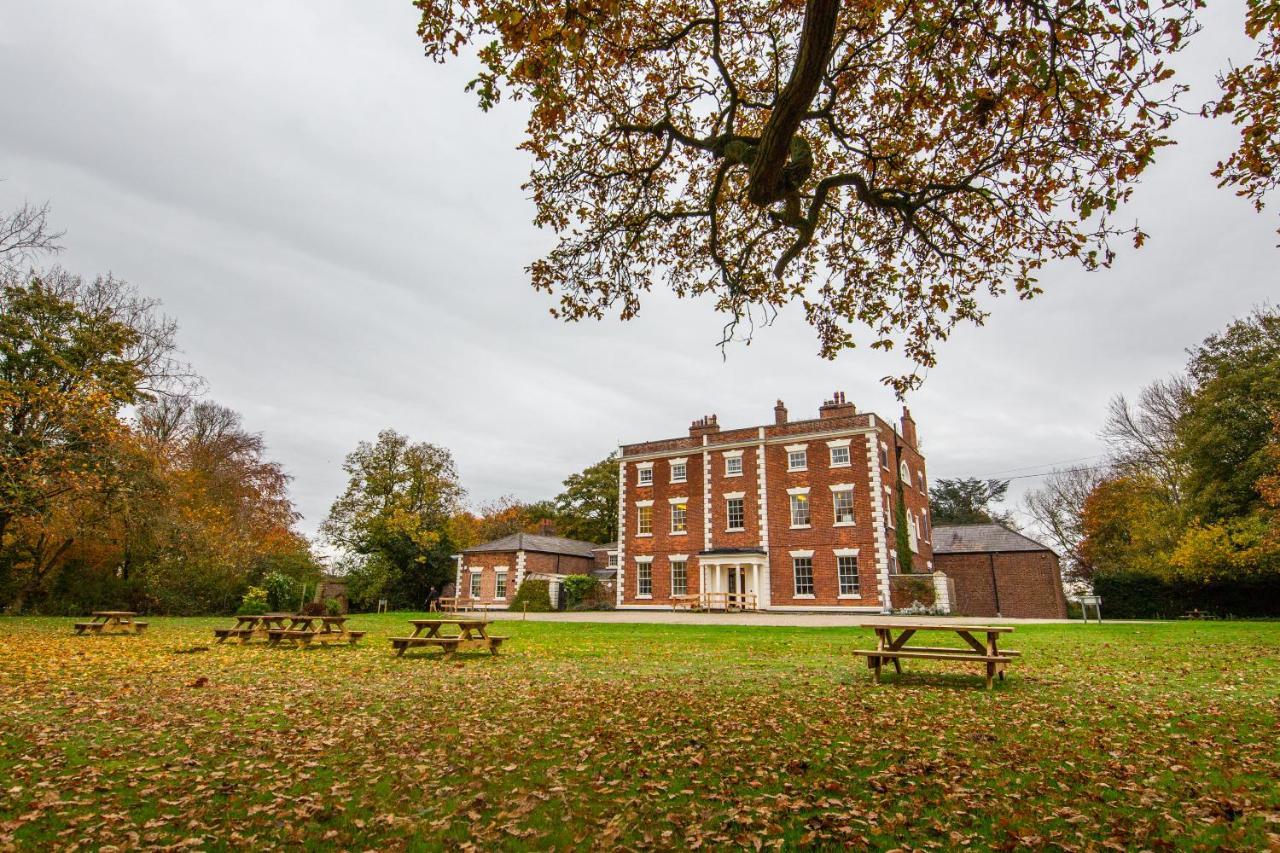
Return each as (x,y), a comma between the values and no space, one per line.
(433,597)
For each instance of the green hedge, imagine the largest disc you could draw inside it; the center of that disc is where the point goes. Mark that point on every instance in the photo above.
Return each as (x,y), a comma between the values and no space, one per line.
(1130,595)
(534,596)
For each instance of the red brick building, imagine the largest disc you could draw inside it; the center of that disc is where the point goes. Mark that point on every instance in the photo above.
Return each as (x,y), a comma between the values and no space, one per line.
(999,572)
(489,574)
(792,515)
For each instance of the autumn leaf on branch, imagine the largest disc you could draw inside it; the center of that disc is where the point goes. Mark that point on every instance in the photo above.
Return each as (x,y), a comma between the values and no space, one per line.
(886,163)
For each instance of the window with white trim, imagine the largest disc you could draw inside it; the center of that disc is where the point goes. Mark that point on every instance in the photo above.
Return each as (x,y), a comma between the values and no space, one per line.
(840,457)
(679,577)
(847,571)
(475,584)
(679,517)
(920,480)
(644,474)
(500,587)
(884,456)
(802,570)
(644,579)
(733,465)
(735,513)
(679,471)
(842,500)
(613,561)
(798,460)
(644,520)
(799,510)
(905,472)
(889,519)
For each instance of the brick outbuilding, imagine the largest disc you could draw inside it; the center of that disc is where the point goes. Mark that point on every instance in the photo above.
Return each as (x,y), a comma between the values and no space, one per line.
(999,572)
(489,574)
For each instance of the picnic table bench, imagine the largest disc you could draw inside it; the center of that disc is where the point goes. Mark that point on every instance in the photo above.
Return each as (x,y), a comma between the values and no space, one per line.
(112,622)
(894,649)
(686,602)
(472,633)
(305,630)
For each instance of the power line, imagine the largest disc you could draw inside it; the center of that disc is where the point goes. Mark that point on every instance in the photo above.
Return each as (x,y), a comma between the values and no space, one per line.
(1042,464)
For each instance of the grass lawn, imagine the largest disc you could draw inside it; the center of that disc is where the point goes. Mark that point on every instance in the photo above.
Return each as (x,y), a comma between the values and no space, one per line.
(1141,736)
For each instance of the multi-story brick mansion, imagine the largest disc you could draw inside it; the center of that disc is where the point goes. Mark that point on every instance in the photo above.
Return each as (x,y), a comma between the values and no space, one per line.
(791,515)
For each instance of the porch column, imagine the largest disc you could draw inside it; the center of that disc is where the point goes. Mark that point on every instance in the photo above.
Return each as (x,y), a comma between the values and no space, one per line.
(755,582)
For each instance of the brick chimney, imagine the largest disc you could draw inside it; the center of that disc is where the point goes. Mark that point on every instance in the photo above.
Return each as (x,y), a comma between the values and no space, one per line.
(908,427)
(836,407)
(779,413)
(704,426)
(547,527)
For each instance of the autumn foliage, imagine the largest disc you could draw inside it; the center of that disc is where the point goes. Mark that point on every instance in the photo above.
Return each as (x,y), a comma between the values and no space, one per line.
(885,164)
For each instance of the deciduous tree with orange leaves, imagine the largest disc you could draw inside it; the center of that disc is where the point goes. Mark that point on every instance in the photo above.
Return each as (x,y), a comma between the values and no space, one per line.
(887,163)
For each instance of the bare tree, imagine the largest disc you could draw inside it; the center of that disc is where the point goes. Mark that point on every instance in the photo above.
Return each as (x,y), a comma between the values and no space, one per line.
(1143,437)
(24,235)
(1058,507)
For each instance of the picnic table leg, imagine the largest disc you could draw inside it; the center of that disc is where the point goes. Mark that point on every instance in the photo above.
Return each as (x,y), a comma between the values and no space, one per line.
(991,671)
(897,664)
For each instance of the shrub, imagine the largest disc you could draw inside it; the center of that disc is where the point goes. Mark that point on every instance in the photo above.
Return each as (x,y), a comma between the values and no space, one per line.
(254,602)
(1137,595)
(313,608)
(580,591)
(533,595)
(282,591)
(333,606)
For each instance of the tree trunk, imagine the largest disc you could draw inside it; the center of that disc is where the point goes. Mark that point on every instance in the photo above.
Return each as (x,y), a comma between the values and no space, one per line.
(767,181)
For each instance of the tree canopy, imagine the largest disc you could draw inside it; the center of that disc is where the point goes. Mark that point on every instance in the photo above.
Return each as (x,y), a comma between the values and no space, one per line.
(395,513)
(967,501)
(887,164)
(587,509)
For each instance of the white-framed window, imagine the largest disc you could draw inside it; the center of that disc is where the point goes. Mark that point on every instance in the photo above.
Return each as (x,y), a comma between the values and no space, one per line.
(679,516)
(644,519)
(893,561)
(889,519)
(797,457)
(920,481)
(840,456)
(613,561)
(500,586)
(733,463)
(884,455)
(735,514)
(644,578)
(475,584)
(644,473)
(802,571)
(800,510)
(679,577)
(679,470)
(842,501)
(847,572)
(924,523)
(905,472)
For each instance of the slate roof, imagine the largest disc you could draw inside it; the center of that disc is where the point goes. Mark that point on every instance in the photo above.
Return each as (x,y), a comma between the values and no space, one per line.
(981,539)
(534,542)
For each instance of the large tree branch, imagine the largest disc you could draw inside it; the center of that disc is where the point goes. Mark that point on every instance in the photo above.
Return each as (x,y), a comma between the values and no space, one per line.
(768,178)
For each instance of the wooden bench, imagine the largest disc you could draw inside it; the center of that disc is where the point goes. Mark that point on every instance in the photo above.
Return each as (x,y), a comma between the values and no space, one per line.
(224,634)
(686,602)
(139,627)
(96,627)
(354,636)
(447,644)
(275,635)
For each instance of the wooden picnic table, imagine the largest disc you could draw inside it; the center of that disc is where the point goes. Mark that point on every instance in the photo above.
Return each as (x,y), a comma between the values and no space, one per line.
(894,649)
(112,622)
(305,630)
(472,633)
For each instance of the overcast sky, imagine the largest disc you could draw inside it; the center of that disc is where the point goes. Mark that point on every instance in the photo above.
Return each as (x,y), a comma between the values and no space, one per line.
(342,236)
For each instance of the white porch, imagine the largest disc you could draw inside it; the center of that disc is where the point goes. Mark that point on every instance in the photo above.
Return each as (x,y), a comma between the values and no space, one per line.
(733,581)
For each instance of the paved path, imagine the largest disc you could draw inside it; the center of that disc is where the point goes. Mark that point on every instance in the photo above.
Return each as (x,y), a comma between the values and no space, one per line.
(769,619)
